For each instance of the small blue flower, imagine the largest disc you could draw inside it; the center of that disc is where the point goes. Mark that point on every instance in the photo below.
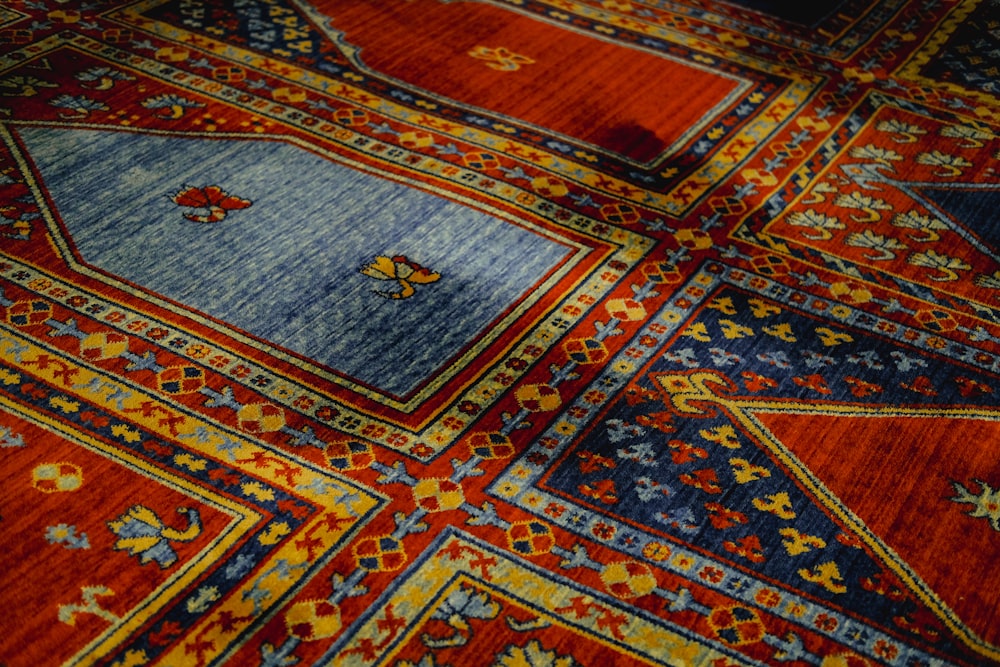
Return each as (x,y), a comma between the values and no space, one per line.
(66,535)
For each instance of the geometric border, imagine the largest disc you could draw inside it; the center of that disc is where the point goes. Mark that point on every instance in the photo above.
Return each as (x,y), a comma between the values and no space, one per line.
(838,35)
(518,484)
(745,410)
(754,228)
(285,553)
(911,70)
(243,520)
(456,557)
(698,127)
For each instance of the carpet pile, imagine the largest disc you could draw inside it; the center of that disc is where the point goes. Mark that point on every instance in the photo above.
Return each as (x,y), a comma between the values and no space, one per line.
(549,333)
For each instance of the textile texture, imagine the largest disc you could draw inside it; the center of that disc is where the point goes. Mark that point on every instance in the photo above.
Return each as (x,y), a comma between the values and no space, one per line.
(550,333)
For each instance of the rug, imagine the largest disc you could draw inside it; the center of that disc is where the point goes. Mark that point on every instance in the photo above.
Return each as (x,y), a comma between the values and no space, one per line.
(432,333)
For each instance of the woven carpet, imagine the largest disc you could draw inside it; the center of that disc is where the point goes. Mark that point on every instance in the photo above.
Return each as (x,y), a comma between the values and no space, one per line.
(514,333)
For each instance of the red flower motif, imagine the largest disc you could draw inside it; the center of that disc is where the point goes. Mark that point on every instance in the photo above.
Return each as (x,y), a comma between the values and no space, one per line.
(212,198)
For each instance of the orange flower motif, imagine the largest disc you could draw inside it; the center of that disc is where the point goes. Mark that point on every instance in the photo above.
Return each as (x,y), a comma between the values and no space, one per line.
(406,273)
(212,198)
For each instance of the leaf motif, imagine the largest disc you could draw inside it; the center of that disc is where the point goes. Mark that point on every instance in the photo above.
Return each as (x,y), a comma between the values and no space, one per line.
(814,219)
(951,164)
(877,153)
(423,276)
(899,127)
(820,222)
(869,239)
(532,655)
(973,136)
(989,281)
(937,158)
(862,201)
(947,266)
(467,603)
(936,260)
(380,268)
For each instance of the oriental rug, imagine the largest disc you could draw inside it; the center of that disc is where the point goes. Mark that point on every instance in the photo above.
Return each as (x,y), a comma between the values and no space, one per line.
(432,333)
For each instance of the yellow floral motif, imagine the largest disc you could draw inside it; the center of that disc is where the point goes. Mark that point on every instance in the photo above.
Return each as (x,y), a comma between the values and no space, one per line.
(686,653)
(972,137)
(907,132)
(683,562)
(985,504)
(949,165)
(57,477)
(818,224)
(868,205)
(507,489)
(132,658)
(746,472)
(925,229)
(69,612)
(827,575)
(876,153)
(796,609)
(532,654)
(797,543)
(778,504)
(313,619)
(141,532)
(500,58)
(24,86)
(403,271)
(722,435)
(687,393)
(831,338)
(945,266)
(656,551)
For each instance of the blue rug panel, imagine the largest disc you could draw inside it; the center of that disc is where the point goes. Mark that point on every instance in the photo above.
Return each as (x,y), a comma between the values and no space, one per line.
(286,267)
